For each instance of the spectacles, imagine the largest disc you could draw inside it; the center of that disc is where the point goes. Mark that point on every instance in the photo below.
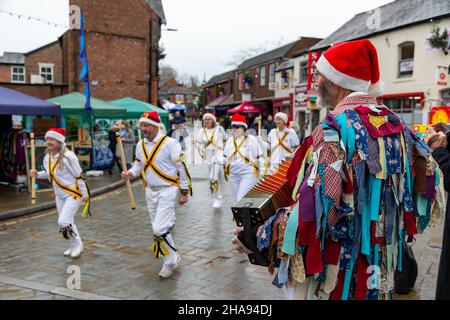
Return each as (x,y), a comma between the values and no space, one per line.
(315,77)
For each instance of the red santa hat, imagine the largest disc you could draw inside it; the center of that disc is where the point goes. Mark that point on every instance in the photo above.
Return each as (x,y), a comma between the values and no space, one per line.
(352,65)
(59,134)
(239,120)
(209,116)
(282,116)
(150,117)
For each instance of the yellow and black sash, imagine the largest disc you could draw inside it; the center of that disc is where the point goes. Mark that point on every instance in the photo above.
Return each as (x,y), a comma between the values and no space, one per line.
(151,165)
(74,192)
(237,151)
(281,143)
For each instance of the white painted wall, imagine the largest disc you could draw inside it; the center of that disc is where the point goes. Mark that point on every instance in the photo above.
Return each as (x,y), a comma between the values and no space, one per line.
(426,62)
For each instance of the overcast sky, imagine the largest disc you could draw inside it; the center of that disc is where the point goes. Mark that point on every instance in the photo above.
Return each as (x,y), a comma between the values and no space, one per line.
(209,32)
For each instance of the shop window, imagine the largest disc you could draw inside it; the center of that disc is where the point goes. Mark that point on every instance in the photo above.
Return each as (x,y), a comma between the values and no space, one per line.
(406,108)
(446,97)
(406,63)
(18,74)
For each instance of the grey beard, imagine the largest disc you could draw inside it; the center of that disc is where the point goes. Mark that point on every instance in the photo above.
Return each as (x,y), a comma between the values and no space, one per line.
(322,103)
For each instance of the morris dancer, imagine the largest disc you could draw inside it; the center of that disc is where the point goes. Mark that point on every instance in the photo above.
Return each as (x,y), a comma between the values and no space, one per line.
(243,158)
(162,162)
(210,143)
(282,141)
(364,184)
(62,168)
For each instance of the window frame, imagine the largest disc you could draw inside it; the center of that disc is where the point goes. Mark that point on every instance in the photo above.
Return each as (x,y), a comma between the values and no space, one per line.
(401,60)
(272,73)
(300,78)
(52,69)
(263,76)
(15,73)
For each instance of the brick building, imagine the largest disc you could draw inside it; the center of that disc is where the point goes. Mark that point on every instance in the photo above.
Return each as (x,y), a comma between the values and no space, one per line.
(254,80)
(122,49)
(178,93)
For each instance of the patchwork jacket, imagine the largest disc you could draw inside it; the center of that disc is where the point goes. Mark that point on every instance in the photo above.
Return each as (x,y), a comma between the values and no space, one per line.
(363,185)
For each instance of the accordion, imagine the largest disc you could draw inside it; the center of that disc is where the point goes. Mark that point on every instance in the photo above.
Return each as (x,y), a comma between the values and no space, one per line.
(259,204)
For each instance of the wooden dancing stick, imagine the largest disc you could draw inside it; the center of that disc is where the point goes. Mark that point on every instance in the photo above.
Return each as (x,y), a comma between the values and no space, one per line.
(124,168)
(139,132)
(259,125)
(33,167)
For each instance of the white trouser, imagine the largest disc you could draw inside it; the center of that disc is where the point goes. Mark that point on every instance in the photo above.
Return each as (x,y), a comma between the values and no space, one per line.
(214,170)
(241,185)
(67,209)
(308,290)
(161,208)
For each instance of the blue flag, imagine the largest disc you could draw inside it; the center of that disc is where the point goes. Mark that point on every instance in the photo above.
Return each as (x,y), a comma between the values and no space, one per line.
(85,68)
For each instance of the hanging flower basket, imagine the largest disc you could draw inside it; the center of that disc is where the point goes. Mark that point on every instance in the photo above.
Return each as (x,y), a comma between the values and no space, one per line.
(248,80)
(439,40)
(285,76)
(220,90)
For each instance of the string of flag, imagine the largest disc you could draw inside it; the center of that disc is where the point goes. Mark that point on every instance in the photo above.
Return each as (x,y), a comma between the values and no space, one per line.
(57,25)
(25,17)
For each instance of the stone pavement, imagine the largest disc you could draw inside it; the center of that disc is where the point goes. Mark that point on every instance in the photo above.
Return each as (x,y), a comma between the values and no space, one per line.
(117,262)
(14,203)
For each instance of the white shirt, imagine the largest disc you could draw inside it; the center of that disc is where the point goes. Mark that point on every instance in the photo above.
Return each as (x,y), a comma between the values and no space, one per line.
(251,149)
(65,174)
(279,153)
(168,160)
(209,150)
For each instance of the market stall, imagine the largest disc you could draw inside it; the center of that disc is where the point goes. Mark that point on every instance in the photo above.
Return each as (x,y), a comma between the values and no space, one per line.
(79,126)
(135,108)
(13,136)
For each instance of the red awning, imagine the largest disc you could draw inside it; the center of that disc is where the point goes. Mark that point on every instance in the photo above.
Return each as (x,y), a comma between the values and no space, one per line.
(217,102)
(246,107)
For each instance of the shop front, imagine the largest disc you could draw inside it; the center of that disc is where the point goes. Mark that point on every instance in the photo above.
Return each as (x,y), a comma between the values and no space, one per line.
(284,105)
(409,106)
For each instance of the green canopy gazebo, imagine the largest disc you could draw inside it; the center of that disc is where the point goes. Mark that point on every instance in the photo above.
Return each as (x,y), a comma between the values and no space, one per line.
(73,104)
(75,116)
(135,108)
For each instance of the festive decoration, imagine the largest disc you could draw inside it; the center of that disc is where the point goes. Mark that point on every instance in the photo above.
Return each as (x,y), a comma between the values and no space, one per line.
(98,34)
(220,90)
(248,80)
(20,16)
(84,74)
(285,75)
(439,40)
